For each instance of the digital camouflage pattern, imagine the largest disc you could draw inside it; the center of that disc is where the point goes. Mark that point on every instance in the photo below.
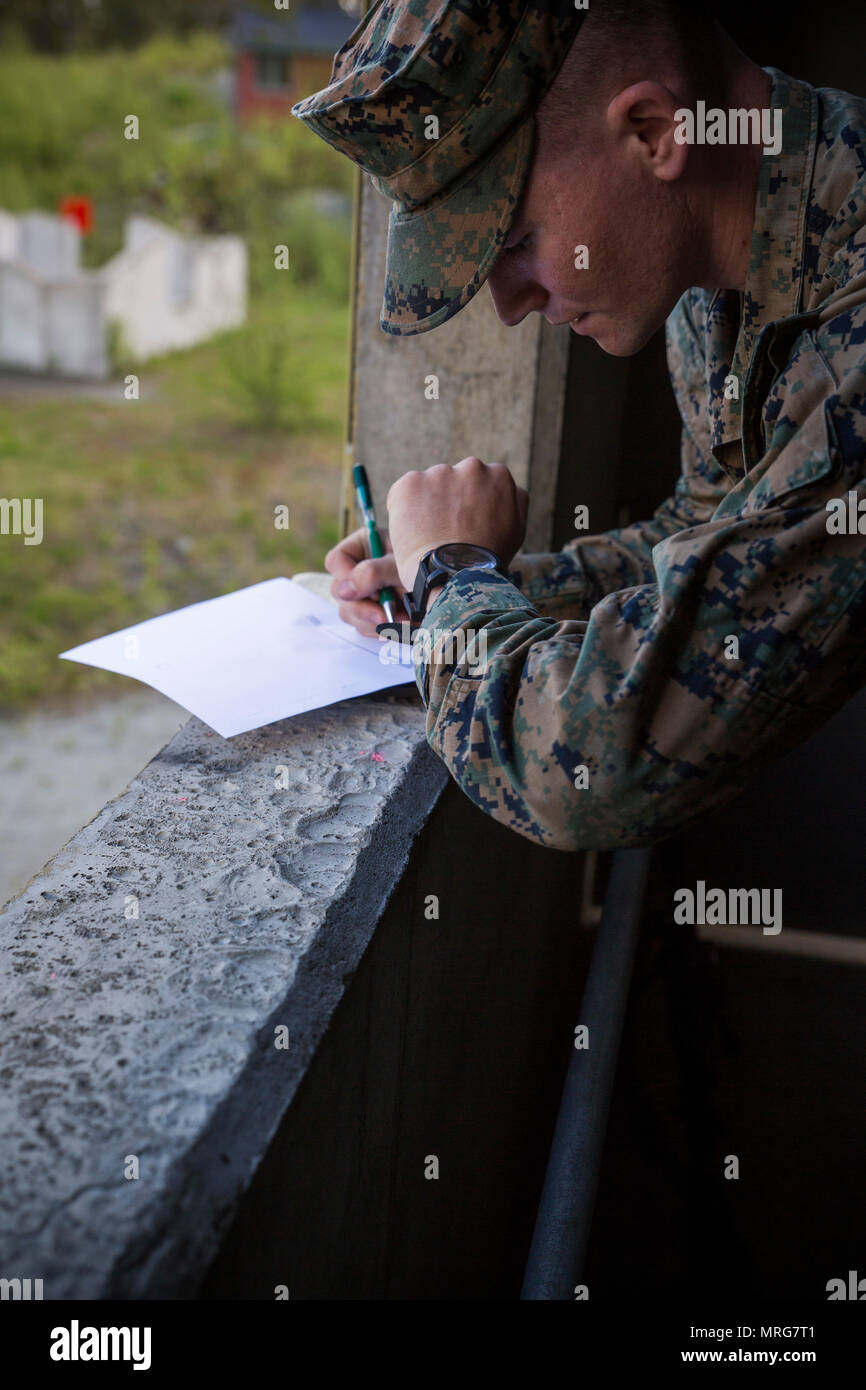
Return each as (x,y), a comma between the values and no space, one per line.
(479,67)
(611,653)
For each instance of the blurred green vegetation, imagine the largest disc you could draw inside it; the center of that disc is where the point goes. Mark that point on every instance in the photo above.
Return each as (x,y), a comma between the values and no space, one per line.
(62,132)
(155,503)
(61,26)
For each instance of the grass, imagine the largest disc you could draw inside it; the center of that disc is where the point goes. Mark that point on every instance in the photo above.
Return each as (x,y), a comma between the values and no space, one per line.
(160,502)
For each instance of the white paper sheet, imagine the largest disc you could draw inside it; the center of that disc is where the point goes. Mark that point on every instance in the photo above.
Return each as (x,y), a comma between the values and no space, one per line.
(250,658)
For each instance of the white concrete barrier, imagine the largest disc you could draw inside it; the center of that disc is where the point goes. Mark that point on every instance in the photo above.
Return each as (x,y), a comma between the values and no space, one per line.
(163,292)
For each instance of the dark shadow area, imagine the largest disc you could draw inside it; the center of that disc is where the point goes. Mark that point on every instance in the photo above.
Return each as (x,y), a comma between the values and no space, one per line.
(755,1053)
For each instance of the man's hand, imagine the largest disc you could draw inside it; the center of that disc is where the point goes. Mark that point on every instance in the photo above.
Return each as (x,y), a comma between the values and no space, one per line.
(473,502)
(358,579)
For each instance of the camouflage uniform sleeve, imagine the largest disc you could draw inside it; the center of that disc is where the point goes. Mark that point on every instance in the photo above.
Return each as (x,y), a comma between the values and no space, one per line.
(569,582)
(748,636)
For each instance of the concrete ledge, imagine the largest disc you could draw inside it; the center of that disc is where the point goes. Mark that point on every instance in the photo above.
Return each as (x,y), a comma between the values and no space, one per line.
(154,1035)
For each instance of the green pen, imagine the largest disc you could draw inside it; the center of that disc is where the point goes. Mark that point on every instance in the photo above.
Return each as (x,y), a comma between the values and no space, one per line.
(387,597)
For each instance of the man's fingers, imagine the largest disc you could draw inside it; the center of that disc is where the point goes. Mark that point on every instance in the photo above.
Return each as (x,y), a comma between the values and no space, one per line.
(364,580)
(355,575)
(363,615)
(343,558)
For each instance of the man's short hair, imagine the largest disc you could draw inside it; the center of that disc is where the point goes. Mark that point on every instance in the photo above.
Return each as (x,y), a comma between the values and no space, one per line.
(625,41)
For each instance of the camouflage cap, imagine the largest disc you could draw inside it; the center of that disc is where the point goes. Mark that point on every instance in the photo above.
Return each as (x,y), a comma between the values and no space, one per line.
(435,100)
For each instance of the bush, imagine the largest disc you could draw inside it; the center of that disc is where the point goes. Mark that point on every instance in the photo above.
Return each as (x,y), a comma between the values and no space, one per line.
(319,248)
(264,378)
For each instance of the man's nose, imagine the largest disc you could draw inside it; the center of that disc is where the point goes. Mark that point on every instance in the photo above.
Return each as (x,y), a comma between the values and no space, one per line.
(514,295)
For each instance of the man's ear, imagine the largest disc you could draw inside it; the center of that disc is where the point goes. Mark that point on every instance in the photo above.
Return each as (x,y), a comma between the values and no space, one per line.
(646,116)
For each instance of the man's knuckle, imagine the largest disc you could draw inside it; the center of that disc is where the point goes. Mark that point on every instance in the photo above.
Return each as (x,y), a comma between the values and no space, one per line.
(405,480)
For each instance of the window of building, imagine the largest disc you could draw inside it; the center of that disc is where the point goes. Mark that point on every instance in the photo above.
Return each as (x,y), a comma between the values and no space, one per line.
(272,70)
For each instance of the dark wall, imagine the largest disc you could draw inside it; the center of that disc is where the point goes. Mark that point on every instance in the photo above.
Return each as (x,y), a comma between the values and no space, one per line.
(822,44)
(758,1053)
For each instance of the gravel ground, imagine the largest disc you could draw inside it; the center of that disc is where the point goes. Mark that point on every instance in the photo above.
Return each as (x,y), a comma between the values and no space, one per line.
(58,767)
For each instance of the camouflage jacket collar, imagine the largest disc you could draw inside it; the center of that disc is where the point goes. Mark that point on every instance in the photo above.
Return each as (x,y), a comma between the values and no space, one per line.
(775,281)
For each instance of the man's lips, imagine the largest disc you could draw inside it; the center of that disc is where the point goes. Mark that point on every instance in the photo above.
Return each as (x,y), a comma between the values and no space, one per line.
(575,318)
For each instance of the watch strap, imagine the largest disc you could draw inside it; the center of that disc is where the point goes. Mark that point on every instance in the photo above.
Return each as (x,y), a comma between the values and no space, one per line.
(430,574)
(426,578)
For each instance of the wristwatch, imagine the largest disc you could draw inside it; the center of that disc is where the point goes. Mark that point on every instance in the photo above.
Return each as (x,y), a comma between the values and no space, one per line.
(440,564)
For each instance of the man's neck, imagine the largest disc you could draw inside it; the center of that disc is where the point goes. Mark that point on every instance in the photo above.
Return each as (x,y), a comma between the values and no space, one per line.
(730,208)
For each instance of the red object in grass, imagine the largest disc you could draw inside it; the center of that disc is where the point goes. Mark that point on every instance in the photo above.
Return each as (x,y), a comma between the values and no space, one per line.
(78,210)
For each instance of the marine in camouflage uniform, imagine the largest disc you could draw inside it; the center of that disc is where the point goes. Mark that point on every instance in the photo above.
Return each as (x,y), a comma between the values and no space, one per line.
(613,654)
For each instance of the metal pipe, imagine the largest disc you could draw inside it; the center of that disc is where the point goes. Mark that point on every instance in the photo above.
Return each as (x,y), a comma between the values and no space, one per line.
(559,1242)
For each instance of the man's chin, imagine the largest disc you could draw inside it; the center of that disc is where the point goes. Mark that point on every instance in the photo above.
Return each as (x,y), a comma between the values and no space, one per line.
(619,339)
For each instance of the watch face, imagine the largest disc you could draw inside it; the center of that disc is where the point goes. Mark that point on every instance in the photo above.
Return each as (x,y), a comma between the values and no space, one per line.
(458,555)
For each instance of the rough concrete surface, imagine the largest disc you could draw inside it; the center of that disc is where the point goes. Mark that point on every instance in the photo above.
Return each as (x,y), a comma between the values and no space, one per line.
(154,1036)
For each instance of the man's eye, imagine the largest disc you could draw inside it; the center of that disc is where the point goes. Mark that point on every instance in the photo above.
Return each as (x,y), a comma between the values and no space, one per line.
(519,245)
